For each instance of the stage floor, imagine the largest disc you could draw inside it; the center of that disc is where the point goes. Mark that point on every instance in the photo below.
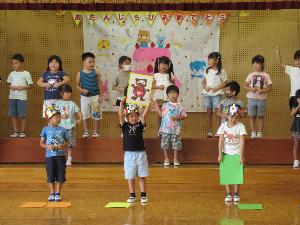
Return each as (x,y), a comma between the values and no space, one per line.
(190,194)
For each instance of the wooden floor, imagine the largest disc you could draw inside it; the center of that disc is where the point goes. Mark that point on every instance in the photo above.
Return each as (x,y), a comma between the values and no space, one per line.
(190,194)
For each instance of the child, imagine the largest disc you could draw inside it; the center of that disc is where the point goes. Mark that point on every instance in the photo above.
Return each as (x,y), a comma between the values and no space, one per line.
(121,81)
(231,142)
(232,89)
(135,158)
(293,72)
(68,109)
(172,114)
(52,80)
(213,82)
(54,139)
(258,84)
(295,113)
(19,82)
(89,86)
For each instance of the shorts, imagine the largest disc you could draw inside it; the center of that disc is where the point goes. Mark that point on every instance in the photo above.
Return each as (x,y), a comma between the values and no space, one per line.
(135,164)
(56,169)
(71,137)
(256,107)
(90,107)
(17,108)
(170,141)
(211,102)
(46,104)
(292,102)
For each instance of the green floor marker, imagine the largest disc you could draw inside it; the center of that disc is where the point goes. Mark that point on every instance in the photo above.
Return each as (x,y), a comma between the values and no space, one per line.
(250,206)
(118,205)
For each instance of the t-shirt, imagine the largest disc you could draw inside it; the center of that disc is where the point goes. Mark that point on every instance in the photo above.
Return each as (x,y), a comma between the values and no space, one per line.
(161,79)
(52,78)
(225,103)
(121,80)
(89,81)
(213,80)
(258,80)
(69,109)
(169,110)
(232,137)
(19,79)
(294,73)
(54,136)
(133,136)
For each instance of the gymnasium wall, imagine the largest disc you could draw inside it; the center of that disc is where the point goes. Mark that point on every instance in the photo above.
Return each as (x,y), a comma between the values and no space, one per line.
(39,34)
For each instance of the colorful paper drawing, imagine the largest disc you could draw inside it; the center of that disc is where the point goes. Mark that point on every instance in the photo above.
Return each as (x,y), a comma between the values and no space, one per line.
(103,44)
(231,170)
(118,205)
(197,68)
(139,89)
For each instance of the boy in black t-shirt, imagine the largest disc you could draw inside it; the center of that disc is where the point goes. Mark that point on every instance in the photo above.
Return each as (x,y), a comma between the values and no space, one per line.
(135,158)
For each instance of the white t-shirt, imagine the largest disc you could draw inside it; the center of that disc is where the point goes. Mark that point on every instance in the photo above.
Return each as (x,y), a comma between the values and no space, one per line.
(161,79)
(294,73)
(232,137)
(19,79)
(213,80)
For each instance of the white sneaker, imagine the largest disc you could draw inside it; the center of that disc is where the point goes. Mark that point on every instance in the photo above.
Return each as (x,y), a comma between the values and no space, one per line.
(236,198)
(131,200)
(166,163)
(95,134)
(22,135)
(253,134)
(228,198)
(259,135)
(296,164)
(209,134)
(85,134)
(14,135)
(144,199)
(176,163)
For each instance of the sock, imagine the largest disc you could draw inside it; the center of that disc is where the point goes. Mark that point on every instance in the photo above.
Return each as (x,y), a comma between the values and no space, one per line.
(57,193)
(228,193)
(132,195)
(143,194)
(235,193)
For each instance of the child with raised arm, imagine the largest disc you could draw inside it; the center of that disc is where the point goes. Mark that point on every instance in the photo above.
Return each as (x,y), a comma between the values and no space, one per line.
(232,142)
(135,158)
(172,114)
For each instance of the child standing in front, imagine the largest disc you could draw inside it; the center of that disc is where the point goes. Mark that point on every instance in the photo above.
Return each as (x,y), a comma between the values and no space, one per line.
(215,79)
(258,84)
(172,114)
(54,139)
(19,82)
(68,110)
(121,80)
(232,142)
(135,158)
(52,80)
(88,83)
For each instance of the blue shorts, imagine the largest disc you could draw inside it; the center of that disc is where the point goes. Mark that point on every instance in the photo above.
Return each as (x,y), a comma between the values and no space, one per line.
(135,164)
(256,107)
(211,102)
(17,108)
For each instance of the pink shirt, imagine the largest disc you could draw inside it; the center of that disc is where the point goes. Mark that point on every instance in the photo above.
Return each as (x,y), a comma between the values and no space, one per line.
(258,80)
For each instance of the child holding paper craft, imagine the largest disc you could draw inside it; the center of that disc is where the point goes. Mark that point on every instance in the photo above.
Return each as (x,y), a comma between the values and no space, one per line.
(172,114)
(135,158)
(232,153)
(121,80)
(215,79)
(295,113)
(54,139)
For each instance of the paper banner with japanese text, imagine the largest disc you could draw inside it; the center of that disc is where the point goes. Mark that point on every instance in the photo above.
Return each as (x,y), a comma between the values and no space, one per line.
(91,17)
(150,17)
(106,17)
(136,17)
(194,17)
(179,17)
(121,17)
(165,17)
(222,17)
(208,18)
(77,17)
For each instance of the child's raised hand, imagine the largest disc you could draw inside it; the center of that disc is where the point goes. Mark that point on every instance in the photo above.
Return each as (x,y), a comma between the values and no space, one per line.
(220,158)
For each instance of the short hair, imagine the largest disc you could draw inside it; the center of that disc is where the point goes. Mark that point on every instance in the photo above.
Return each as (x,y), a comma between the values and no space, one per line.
(172,88)
(123,58)
(86,55)
(18,57)
(66,88)
(297,54)
(57,59)
(234,86)
(297,94)
(258,59)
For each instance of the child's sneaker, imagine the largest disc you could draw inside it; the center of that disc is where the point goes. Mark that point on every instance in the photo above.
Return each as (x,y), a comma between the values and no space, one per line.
(69,162)
(131,199)
(228,197)
(57,197)
(85,134)
(176,163)
(253,134)
(51,198)
(236,198)
(95,134)
(14,135)
(209,134)
(22,135)
(259,135)
(144,199)
(166,163)
(296,164)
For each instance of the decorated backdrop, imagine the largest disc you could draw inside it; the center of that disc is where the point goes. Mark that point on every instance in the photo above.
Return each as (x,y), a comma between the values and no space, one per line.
(187,38)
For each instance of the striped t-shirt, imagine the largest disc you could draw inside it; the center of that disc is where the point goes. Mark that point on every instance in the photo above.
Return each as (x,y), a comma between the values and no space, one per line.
(19,79)
(89,81)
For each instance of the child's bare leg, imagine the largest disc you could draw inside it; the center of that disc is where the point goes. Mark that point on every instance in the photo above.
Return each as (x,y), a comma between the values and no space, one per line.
(237,188)
(58,187)
(209,119)
(51,186)
(228,188)
(142,182)
(176,154)
(252,120)
(166,154)
(295,148)
(70,152)
(23,123)
(131,185)
(261,123)
(86,125)
(96,124)
(218,119)
(15,124)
